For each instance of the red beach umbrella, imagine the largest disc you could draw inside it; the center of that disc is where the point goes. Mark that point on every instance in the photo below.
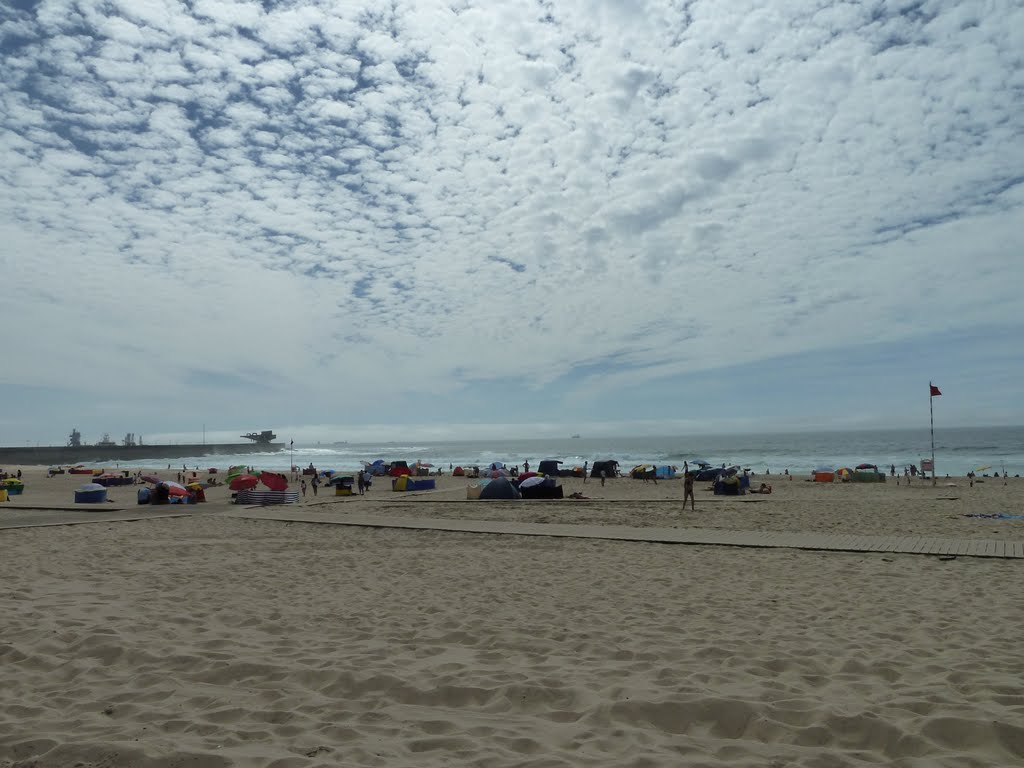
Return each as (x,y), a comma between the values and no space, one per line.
(274,481)
(243,483)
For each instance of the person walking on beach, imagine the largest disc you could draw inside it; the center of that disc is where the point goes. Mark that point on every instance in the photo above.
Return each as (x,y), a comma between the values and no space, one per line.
(602,477)
(586,465)
(303,487)
(361,482)
(315,483)
(688,491)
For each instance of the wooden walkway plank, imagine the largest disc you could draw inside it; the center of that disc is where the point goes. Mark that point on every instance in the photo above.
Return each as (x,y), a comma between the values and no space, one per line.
(977,548)
(841,542)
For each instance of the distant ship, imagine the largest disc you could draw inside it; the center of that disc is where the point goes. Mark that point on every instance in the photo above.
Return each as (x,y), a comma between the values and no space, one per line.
(574,437)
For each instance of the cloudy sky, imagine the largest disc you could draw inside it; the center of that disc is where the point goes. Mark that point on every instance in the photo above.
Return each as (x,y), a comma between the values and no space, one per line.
(436,218)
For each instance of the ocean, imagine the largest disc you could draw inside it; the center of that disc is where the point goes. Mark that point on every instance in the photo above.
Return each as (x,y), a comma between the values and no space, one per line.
(957,451)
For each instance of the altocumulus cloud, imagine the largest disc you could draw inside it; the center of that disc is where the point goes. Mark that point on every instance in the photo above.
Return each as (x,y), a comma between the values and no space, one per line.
(354,202)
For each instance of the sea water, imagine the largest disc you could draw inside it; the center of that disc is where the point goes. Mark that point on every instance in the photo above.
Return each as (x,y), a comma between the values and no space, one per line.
(957,451)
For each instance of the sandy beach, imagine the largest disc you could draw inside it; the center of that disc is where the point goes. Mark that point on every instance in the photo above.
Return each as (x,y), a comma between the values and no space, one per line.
(215,641)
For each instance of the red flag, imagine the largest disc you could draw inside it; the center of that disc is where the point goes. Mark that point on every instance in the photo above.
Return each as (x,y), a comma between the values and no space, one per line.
(934,391)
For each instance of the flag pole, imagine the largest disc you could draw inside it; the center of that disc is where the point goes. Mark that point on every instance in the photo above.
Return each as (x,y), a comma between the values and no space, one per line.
(931,418)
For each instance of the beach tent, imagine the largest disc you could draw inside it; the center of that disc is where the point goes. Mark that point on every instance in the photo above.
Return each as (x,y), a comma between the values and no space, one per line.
(549,467)
(869,475)
(539,487)
(90,493)
(824,474)
(609,466)
(160,495)
(343,484)
(643,472)
(458,472)
(408,483)
(499,488)
(707,473)
(108,479)
(731,484)
(376,467)
(175,489)
(649,471)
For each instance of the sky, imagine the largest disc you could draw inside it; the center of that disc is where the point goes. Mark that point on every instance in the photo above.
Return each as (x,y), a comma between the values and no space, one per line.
(375,220)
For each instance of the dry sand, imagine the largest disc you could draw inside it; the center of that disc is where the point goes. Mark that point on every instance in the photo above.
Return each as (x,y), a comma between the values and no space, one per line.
(213,641)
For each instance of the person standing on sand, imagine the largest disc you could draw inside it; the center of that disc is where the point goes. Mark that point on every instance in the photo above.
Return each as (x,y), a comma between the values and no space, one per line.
(586,465)
(602,477)
(688,491)
(303,487)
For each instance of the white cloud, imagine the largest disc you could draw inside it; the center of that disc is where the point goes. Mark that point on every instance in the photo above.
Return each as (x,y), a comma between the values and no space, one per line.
(465,194)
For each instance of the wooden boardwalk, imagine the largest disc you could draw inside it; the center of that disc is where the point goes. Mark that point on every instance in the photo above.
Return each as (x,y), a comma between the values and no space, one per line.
(840,542)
